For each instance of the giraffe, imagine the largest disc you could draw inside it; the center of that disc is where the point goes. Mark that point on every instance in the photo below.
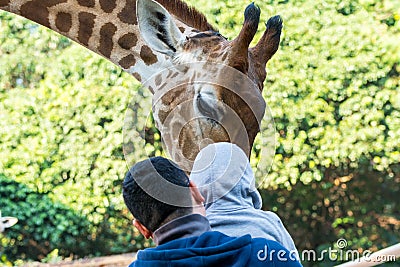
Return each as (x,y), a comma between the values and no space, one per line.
(163,43)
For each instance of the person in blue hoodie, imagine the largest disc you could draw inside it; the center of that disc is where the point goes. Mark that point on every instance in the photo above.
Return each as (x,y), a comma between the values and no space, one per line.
(169,208)
(223,175)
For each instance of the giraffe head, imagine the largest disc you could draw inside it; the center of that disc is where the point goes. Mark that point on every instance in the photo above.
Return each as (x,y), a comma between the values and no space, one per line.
(211,89)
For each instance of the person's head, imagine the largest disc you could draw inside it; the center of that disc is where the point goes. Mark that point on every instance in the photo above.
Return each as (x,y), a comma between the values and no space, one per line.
(222,173)
(156,191)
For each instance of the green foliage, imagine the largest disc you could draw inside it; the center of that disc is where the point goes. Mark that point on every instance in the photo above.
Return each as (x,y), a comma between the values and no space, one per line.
(26,51)
(43,224)
(333,88)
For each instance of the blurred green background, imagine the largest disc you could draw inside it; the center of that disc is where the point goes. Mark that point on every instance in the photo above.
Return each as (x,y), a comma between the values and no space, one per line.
(333,89)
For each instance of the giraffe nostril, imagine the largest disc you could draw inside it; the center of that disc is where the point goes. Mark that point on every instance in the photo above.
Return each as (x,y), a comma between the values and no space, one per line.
(207,107)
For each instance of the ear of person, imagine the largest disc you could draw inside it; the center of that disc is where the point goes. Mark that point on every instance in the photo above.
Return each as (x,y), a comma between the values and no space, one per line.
(196,193)
(142,229)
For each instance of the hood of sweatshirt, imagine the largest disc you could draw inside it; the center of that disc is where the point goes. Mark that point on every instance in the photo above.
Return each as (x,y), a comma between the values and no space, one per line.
(223,174)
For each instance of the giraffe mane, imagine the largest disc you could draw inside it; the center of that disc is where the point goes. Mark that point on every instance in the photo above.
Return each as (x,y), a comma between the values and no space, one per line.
(187,14)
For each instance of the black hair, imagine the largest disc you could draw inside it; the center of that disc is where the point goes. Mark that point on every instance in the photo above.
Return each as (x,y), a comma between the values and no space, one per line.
(156,191)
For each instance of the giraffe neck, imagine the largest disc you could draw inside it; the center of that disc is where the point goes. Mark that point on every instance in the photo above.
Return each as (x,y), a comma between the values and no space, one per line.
(108,28)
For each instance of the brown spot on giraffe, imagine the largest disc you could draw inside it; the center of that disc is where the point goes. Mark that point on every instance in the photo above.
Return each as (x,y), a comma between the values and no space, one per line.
(128,14)
(215,55)
(158,80)
(161,87)
(85,32)
(147,55)
(87,3)
(107,32)
(162,115)
(174,75)
(108,5)
(64,21)
(37,10)
(138,77)
(170,72)
(173,97)
(128,41)
(4,2)
(127,62)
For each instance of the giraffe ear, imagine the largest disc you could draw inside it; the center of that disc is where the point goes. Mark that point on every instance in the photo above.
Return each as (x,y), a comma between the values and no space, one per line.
(158,28)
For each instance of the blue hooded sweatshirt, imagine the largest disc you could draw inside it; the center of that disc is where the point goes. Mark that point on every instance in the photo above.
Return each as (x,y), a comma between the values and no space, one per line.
(223,174)
(186,242)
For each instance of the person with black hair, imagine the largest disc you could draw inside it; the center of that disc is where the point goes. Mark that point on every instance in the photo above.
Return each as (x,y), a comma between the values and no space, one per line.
(170,209)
